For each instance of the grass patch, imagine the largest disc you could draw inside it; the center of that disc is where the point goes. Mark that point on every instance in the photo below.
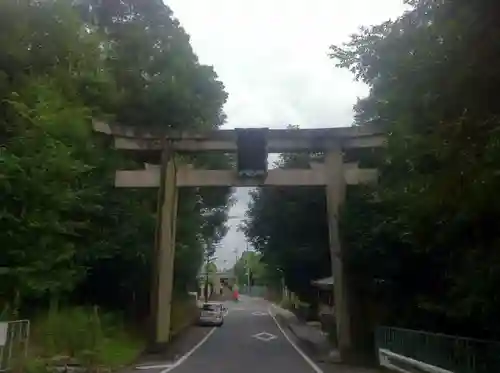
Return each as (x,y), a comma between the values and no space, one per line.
(287,304)
(119,351)
(96,340)
(83,336)
(184,313)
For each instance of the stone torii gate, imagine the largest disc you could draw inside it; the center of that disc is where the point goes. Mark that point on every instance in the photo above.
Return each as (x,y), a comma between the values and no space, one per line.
(168,175)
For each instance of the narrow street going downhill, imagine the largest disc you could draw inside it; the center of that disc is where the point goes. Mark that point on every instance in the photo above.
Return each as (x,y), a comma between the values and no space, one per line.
(250,341)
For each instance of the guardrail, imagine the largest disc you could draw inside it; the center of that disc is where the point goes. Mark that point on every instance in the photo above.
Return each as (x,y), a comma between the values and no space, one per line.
(14,340)
(411,351)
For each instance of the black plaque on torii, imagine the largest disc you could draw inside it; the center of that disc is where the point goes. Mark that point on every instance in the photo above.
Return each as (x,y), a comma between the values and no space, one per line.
(251,152)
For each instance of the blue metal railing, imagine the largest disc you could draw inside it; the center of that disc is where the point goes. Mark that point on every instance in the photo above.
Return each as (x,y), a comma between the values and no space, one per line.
(456,354)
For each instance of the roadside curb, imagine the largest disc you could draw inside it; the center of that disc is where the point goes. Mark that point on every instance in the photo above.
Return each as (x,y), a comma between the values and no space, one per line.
(322,353)
(316,350)
(309,347)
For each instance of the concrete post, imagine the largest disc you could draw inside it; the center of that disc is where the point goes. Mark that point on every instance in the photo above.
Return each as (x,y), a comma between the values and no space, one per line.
(335,195)
(165,252)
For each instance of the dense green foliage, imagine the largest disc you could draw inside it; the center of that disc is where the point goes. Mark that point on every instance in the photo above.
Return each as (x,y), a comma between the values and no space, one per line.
(424,240)
(288,227)
(249,266)
(66,233)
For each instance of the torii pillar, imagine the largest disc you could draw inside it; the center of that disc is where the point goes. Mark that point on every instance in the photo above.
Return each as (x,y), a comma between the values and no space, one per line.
(163,278)
(335,196)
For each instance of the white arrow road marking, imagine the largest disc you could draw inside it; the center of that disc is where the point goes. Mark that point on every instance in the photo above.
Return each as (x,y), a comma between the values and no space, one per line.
(260,313)
(264,336)
(159,366)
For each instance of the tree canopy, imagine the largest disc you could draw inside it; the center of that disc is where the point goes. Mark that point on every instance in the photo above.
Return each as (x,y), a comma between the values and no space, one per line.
(66,232)
(288,226)
(250,266)
(424,239)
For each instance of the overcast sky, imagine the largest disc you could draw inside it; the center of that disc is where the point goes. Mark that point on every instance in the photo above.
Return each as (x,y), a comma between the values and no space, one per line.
(272,56)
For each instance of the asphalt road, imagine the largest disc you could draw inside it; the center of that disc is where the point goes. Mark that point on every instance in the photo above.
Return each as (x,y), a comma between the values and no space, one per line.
(249,342)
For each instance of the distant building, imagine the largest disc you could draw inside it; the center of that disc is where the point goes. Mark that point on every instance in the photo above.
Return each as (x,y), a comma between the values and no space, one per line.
(216,281)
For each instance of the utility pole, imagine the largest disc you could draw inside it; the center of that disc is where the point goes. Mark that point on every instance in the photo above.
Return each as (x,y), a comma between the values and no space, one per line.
(235,279)
(282,280)
(249,286)
(235,251)
(206,279)
(207,262)
(248,277)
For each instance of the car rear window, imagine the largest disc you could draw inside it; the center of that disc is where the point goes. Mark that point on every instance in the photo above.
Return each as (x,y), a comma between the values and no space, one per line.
(209,307)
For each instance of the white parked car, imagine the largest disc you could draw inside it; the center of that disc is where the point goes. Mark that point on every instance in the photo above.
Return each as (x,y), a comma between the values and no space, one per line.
(212,313)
